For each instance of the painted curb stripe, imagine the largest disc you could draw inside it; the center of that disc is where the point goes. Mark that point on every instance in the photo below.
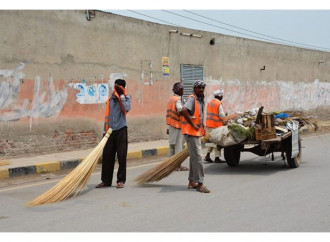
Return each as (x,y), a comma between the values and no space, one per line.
(19,171)
(150,152)
(69,164)
(48,167)
(134,155)
(163,151)
(4,173)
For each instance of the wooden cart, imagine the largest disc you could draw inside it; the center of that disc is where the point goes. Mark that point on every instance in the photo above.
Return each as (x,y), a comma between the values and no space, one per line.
(281,144)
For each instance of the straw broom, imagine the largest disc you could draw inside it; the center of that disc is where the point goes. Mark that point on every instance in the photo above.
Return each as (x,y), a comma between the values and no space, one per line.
(165,168)
(76,180)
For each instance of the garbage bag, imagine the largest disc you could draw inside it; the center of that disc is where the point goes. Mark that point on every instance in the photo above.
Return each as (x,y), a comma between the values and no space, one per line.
(282,115)
(223,136)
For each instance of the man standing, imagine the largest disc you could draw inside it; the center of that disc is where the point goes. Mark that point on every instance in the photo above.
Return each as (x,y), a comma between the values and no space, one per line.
(216,117)
(192,128)
(117,105)
(174,107)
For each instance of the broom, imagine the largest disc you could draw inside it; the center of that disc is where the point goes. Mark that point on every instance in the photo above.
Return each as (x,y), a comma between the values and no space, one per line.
(76,180)
(166,167)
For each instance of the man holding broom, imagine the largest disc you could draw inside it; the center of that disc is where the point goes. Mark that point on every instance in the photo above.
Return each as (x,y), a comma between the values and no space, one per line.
(174,107)
(117,105)
(192,128)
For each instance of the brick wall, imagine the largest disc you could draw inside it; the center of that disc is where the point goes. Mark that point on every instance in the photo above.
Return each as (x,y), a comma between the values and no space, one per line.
(36,144)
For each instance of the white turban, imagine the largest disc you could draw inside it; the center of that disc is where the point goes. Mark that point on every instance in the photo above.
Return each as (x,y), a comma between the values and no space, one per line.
(218,93)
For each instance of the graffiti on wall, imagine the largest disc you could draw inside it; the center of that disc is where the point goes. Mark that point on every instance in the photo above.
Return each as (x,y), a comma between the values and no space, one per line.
(10,86)
(274,96)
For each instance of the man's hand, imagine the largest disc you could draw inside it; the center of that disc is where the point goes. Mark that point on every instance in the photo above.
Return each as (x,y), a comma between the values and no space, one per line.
(196,127)
(120,90)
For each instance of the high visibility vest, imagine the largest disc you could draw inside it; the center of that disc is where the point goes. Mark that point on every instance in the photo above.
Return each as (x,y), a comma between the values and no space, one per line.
(107,110)
(172,116)
(212,116)
(186,128)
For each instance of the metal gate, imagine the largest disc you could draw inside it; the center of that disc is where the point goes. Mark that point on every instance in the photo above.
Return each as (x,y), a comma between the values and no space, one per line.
(190,74)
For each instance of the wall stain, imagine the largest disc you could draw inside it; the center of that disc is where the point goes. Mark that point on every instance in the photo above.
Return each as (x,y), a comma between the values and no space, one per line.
(9,90)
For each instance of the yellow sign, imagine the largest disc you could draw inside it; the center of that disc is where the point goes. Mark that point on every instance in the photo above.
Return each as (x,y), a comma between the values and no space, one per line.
(166,66)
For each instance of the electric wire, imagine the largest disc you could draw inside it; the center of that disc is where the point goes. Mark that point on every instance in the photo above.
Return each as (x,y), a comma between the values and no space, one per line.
(278,41)
(281,42)
(255,32)
(155,18)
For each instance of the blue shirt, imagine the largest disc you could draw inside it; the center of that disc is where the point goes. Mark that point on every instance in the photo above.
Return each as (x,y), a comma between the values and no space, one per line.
(117,118)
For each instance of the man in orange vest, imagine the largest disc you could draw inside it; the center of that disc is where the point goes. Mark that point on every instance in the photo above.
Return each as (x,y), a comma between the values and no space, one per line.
(117,105)
(192,128)
(216,117)
(174,107)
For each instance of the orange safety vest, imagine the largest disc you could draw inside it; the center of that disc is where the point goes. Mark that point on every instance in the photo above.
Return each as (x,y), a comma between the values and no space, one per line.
(212,117)
(172,116)
(107,110)
(186,128)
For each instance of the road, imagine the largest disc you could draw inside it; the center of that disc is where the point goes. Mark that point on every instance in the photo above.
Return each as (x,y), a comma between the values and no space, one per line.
(259,195)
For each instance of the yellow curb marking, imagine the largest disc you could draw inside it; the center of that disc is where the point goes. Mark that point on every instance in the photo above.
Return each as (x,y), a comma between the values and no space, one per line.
(162,150)
(48,167)
(4,173)
(134,155)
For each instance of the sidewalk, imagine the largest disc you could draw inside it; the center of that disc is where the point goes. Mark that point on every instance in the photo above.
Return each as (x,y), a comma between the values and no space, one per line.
(68,160)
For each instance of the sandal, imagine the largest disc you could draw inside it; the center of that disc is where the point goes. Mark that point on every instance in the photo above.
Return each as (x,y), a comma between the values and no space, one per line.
(120,185)
(218,160)
(208,159)
(203,189)
(192,185)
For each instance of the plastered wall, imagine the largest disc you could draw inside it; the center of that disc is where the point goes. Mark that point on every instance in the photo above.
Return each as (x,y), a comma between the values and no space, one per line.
(47,56)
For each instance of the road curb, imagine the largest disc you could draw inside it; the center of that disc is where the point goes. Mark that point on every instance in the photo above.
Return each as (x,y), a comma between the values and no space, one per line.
(70,164)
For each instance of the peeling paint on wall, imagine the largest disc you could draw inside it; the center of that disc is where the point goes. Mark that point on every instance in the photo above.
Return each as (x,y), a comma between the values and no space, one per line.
(9,91)
(274,96)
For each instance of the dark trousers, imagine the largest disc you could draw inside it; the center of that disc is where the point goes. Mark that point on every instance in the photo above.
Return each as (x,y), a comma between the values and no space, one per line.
(116,144)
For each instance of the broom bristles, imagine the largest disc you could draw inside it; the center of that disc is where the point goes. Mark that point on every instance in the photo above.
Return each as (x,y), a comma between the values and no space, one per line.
(163,169)
(76,180)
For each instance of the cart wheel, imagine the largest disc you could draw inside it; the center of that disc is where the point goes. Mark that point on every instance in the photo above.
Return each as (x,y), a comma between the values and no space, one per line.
(232,154)
(295,161)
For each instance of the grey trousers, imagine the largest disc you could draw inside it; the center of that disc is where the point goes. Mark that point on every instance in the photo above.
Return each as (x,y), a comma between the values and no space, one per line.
(196,171)
(175,141)
(217,150)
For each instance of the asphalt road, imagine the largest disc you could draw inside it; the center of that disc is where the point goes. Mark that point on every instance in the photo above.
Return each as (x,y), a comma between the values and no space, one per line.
(259,195)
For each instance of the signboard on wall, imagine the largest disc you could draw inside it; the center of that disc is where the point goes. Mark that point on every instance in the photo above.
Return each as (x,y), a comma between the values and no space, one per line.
(91,94)
(166,66)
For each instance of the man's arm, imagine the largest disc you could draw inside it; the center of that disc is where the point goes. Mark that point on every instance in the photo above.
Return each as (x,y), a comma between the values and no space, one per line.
(185,114)
(126,101)
(224,118)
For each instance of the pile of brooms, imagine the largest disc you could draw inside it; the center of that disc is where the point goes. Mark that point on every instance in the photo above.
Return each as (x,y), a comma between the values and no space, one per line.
(76,180)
